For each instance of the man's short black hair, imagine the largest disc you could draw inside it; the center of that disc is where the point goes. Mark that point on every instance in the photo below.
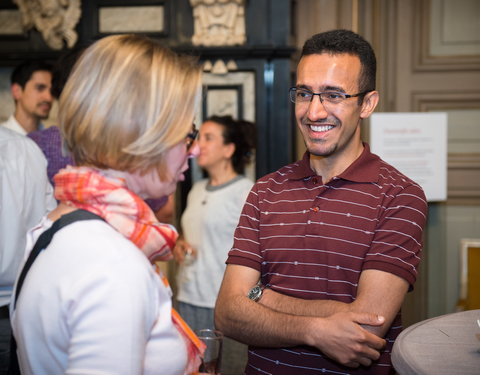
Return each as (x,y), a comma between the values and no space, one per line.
(23,72)
(345,41)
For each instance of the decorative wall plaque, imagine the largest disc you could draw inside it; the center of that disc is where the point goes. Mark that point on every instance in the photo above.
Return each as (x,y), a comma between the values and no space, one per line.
(131,19)
(218,22)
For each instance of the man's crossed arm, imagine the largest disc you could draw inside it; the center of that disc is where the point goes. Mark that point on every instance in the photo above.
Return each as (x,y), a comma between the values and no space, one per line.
(339,330)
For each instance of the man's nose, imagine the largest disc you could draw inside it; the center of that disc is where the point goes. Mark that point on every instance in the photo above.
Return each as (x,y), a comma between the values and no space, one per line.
(47,96)
(316,109)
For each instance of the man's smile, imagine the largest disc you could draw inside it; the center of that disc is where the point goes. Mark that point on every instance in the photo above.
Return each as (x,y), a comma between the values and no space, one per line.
(321,128)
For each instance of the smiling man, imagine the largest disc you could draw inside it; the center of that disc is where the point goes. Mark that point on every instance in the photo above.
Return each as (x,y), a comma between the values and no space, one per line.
(31,83)
(325,245)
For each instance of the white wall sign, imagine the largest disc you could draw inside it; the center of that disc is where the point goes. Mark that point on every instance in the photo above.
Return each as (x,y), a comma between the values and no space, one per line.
(415,144)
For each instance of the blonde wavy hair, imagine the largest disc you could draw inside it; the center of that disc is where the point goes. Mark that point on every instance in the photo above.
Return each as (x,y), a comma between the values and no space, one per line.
(127,101)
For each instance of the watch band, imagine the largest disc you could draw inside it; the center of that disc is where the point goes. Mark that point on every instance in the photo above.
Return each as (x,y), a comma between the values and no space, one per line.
(256,292)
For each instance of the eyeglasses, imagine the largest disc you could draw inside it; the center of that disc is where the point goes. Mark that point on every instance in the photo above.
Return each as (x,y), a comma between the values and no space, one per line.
(191,137)
(301,96)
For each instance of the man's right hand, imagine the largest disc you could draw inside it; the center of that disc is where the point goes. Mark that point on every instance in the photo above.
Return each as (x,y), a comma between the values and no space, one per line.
(342,338)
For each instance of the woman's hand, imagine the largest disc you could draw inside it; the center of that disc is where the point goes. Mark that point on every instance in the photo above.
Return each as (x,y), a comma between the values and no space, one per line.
(183,249)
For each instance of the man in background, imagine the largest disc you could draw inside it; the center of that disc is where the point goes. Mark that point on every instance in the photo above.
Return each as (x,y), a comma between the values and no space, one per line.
(50,140)
(31,82)
(25,197)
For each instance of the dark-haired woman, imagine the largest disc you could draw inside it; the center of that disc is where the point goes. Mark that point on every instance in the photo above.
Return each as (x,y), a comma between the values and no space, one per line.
(213,208)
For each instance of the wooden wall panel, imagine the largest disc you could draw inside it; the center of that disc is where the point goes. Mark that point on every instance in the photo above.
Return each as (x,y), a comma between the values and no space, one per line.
(443,44)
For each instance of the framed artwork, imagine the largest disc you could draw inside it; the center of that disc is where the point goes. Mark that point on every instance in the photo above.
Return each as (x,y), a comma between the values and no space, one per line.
(232,94)
(146,17)
(11,23)
(469,274)
(223,100)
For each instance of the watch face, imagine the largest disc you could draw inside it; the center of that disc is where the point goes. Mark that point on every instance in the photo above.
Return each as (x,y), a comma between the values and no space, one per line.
(255,293)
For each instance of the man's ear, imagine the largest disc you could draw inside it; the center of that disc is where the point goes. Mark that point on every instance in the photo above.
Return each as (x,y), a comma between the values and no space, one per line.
(370,101)
(16,91)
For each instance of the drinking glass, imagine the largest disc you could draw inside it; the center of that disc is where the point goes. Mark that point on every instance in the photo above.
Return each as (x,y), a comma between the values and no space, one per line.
(212,358)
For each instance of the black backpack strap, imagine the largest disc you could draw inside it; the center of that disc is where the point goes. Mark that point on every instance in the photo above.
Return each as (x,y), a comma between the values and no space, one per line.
(45,238)
(41,244)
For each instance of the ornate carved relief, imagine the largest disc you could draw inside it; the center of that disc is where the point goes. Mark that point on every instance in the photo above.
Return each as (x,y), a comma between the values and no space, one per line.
(219,67)
(218,22)
(54,19)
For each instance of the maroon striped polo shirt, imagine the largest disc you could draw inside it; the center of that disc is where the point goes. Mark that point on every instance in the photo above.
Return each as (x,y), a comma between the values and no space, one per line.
(312,240)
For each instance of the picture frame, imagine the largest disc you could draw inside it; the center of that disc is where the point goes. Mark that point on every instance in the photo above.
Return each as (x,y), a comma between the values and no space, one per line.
(107,17)
(469,256)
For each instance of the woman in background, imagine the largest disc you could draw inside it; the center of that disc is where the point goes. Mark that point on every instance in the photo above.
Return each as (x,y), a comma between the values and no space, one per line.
(213,208)
(91,302)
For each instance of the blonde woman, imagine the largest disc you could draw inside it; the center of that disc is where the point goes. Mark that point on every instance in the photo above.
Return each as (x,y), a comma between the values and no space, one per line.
(91,302)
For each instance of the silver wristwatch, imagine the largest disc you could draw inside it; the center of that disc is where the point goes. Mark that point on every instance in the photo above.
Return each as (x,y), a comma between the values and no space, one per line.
(256,292)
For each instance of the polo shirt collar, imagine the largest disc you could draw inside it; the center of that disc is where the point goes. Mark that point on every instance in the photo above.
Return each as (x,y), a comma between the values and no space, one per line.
(365,168)
(302,168)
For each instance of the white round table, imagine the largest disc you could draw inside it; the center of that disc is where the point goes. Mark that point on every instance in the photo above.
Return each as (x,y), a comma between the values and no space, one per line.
(447,344)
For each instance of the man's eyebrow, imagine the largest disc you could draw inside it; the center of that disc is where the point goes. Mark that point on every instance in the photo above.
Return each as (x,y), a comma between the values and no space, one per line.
(41,86)
(326,88)
(301,86)
(334,88)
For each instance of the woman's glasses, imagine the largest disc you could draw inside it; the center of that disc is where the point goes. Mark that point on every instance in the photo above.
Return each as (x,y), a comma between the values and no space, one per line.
(191,137)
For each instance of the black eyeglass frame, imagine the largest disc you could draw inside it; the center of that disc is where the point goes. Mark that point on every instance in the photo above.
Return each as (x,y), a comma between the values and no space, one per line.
(191,137)
(293,90)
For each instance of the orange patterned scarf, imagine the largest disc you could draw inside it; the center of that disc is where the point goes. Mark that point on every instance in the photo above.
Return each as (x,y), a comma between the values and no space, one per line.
(108,197)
